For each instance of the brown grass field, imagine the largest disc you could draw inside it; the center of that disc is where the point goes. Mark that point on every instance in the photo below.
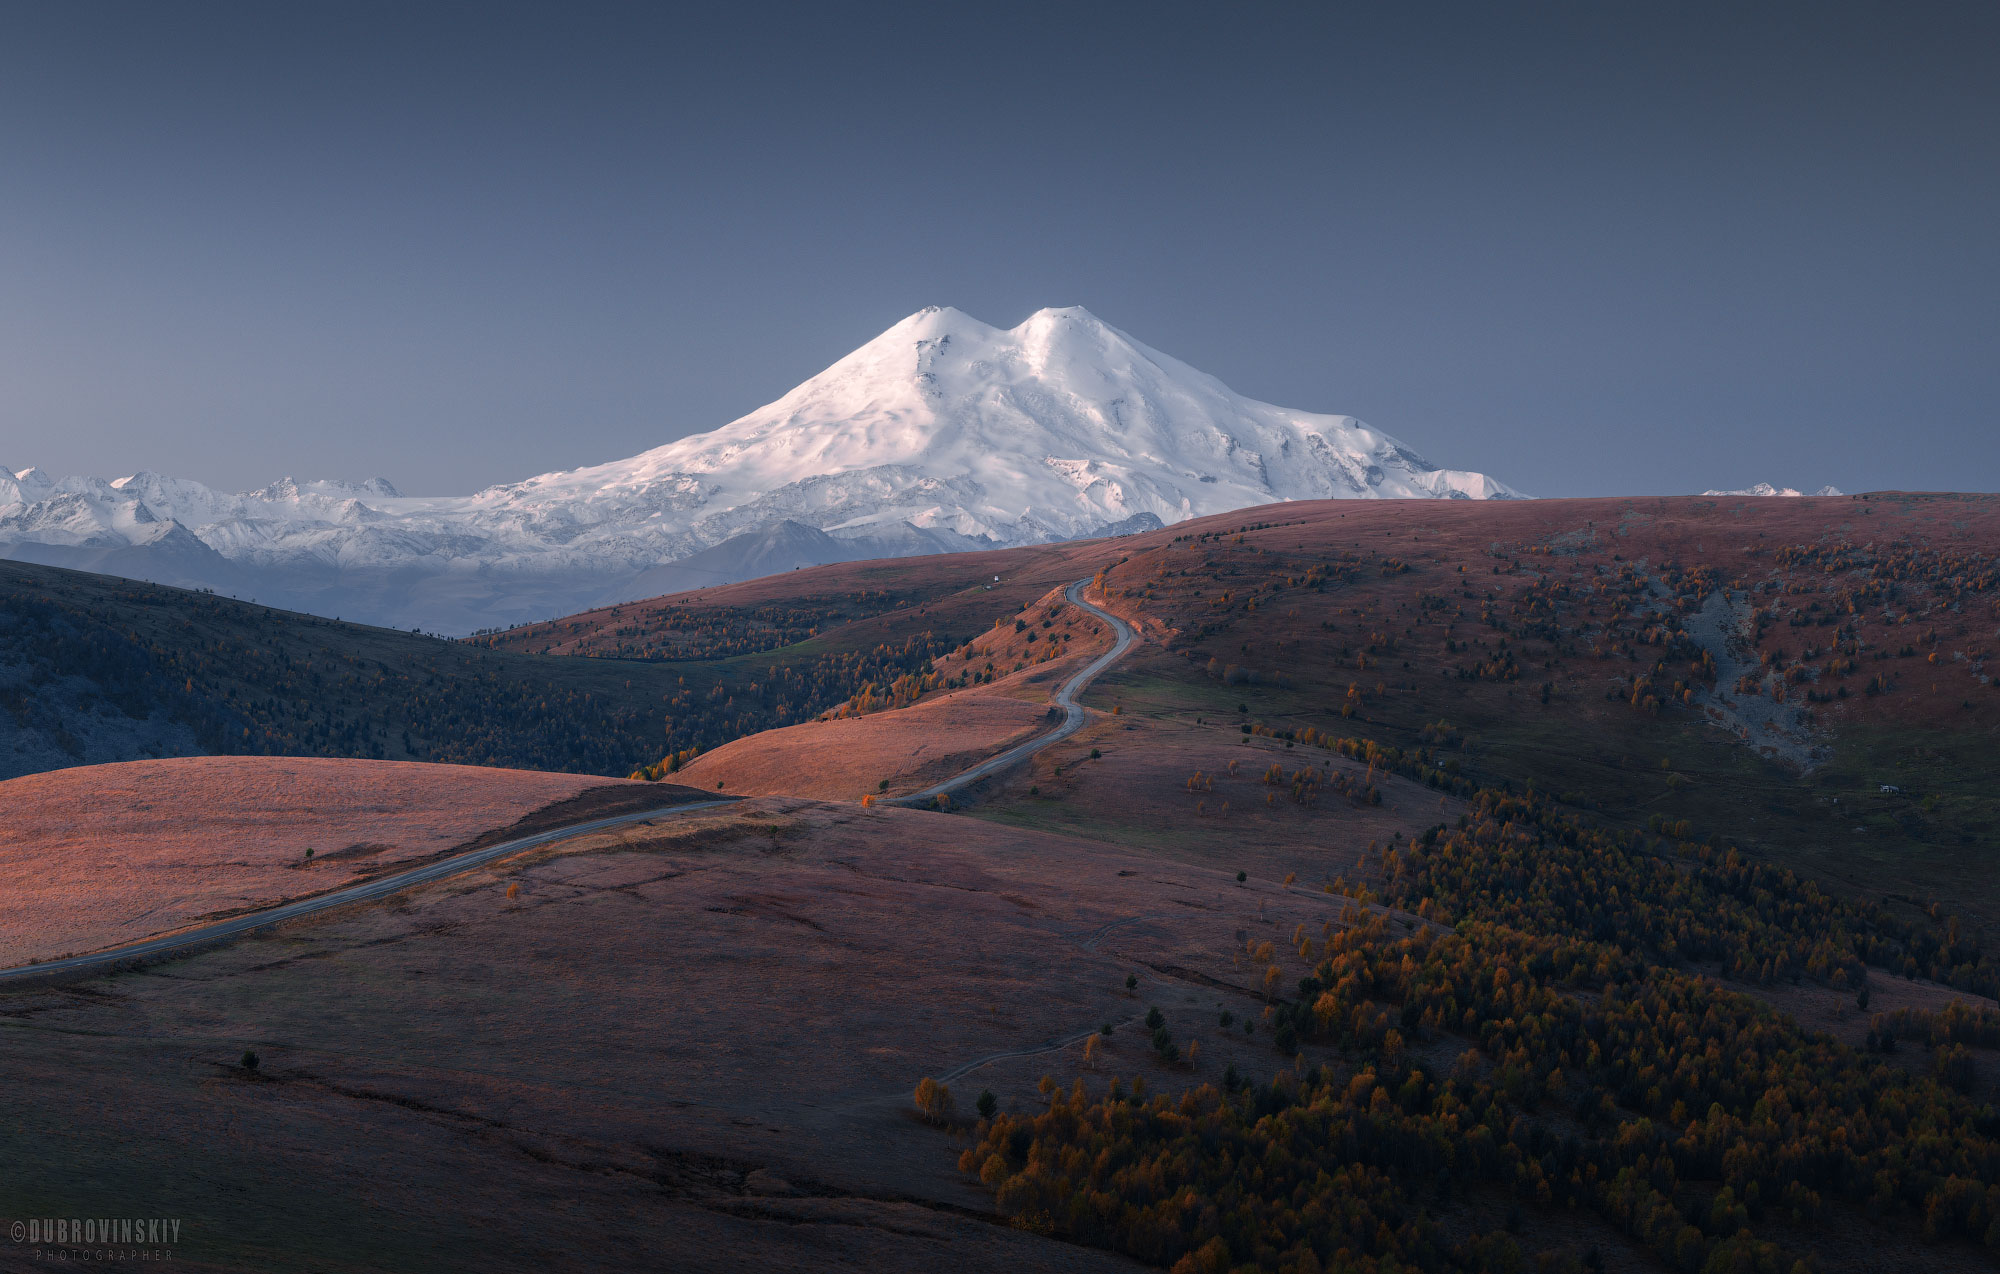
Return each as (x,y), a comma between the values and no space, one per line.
(894,752)
(685,1045)
(851,757)
(102,855)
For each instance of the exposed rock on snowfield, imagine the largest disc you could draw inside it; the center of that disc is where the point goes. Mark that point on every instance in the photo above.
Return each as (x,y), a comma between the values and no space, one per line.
(941,434)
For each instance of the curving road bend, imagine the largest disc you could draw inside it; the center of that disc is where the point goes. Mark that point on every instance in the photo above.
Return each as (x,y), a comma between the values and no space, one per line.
(236,926)
(1064,698)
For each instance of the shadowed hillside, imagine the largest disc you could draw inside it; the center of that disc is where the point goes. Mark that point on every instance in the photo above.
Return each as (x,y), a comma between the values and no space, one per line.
(95,669)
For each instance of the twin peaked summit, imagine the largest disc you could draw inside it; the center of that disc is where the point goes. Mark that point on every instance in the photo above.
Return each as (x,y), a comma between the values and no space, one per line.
(942,433)
(1055,428)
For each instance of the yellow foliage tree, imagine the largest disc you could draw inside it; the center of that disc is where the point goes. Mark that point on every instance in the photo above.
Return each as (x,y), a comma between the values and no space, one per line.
(934,1101)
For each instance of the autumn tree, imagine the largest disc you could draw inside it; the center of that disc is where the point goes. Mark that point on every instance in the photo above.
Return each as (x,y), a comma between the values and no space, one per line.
(934,1101)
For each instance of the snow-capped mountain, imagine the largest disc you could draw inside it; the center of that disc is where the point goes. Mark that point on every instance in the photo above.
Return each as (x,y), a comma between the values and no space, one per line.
(1765,488)
(940,434)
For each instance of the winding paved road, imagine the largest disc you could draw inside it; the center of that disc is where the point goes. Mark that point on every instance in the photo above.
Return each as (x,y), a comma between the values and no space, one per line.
(1065,698)
(382,887)
(236,926)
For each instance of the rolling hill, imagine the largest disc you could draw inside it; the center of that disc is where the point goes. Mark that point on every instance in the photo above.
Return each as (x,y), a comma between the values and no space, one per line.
(95,669)
(1765,666)
(1571,885)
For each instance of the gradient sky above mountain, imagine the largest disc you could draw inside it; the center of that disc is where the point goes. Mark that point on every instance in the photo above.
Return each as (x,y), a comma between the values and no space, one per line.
(1584,248)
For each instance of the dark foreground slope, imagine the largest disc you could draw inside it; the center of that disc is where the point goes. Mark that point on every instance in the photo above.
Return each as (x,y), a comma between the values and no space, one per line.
(695,1046)
(686,1046)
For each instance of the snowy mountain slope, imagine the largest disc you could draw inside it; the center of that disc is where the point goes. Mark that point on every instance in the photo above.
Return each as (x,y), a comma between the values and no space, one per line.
(1765,488)
(942,433)
(1059,425)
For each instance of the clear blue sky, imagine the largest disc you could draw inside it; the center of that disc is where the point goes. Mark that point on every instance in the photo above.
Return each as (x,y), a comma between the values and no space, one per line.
(1593,248)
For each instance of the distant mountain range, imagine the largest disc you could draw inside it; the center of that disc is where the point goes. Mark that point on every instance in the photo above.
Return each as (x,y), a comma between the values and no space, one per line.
(1765,488)
(942,434)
